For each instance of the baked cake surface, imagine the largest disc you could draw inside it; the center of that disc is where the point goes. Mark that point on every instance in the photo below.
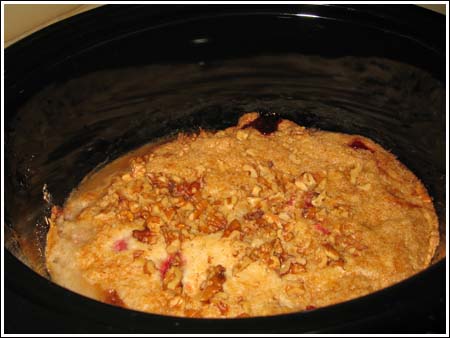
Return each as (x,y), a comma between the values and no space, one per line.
(258,219)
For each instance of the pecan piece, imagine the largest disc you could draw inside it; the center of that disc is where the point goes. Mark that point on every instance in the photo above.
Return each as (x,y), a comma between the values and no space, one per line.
(213,224)
(213,283)
(331,252)
(172,260)
(158,181)
(233,226)
(307,201)
(319,227)
(149,267)
(144,236)
(172,278)
(170,235)
(223,307)
(251,216)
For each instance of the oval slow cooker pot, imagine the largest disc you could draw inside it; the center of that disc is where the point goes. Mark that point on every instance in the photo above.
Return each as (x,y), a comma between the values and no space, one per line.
(88,89)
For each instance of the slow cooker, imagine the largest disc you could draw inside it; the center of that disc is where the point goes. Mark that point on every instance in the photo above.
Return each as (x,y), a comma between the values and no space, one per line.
(82,92)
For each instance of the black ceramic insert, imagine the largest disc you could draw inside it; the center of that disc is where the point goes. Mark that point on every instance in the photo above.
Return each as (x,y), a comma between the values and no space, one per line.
(90,88)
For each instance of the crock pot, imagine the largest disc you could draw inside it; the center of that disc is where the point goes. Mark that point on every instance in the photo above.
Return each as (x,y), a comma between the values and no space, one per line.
(82,92)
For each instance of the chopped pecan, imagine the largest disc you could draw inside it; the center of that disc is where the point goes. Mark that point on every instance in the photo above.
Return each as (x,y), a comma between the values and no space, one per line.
(251,216)
(340,262)
(252,172)
(213,283)
(149,267)
(158,181)
(134,207)
(171,260)
(143,214)
(184,189)
(277,247)
(213,224)
(331,252)
(284,216)
(256,190)
(271,253)
(288,236)
(322,229)
(200,206)
(145,236)
(309,210)
(351,243)
(307,201)
(170,234)
(230,202)
(309,213)
(309,180)
(233,226)
(126,215)
(318,200)
(138,167)
(297,267)
(172,278)
(176,301)
(273,262)
(169,213)
(254,201)
(290,266)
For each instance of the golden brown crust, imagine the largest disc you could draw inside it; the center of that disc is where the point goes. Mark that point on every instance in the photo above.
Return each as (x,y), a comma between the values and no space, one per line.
(236,223)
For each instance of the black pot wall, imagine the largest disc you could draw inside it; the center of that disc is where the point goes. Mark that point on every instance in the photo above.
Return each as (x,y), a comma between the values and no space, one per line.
(90,88)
